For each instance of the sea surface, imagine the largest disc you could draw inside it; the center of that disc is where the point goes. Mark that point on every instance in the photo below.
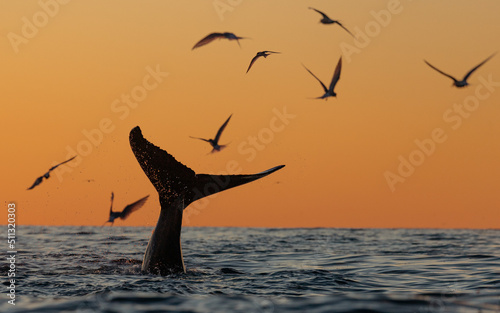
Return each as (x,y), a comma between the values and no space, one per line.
(97,269)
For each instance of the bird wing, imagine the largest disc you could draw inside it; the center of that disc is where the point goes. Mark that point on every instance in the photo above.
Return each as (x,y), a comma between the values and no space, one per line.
(344,28)
(36,183)
(209,38)
(200,138)
(440,71)
(324,15)
(475,68)
(336,75)
(253,60)
(111,207)
(221,129)
(133,207)
(323,85)
(55,166)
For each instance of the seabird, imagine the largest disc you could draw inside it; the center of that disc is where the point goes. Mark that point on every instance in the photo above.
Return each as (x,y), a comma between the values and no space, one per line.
(258,55)
(211,37)
(215,142)
(126,211)
(463,82)
(336,75)
(47,175)
(326,20)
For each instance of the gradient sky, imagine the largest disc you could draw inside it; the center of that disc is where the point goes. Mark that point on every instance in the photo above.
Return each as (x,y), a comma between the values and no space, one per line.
(68,75)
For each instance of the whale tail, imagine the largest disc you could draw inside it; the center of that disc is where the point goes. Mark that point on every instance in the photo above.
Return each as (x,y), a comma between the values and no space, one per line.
(172,179)
(177,186)
(207,185)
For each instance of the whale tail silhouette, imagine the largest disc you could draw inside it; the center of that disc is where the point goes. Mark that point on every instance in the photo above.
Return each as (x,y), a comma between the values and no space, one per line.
(177,186)
(172,179)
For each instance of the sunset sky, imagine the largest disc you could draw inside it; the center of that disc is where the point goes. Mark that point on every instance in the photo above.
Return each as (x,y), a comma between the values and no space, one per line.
(398,146)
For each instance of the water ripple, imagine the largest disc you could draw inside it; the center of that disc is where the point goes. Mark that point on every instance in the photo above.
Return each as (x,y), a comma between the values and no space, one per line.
(94,269)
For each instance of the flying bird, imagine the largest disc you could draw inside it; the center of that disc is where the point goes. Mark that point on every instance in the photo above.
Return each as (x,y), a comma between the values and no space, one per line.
(126,211)
(463,82)
(211,37)
(258,55)
(326,20)
(47,175)
(215,142)
(336,76)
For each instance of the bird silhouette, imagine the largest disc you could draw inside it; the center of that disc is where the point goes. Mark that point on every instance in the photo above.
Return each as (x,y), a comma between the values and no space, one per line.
(39,180)
(126,211)
(326,20)
(336,76)
(258,55)
(215,142)
(463,82)
(211,37)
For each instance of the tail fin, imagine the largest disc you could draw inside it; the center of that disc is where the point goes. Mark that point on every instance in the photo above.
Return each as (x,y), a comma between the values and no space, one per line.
(173,179)
(207,185)
(170,177)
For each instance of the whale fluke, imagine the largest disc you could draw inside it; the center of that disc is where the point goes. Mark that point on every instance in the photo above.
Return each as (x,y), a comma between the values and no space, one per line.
(177,186)
(207,185)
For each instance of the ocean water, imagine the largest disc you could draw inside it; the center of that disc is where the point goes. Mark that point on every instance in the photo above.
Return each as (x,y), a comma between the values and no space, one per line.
(94,269)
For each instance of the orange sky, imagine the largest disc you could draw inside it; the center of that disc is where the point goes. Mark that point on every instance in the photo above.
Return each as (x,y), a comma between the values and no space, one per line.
(66,67)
